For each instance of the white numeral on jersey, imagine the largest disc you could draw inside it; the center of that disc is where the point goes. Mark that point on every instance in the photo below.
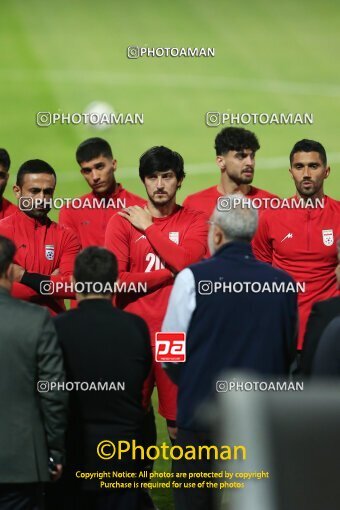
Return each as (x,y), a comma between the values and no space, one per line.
(154,263)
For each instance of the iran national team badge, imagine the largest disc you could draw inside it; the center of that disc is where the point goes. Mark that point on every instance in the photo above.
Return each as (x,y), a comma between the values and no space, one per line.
(49,251)
(174,237)
(328,237)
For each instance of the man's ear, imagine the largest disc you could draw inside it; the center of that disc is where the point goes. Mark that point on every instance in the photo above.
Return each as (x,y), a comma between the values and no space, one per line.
(179,183)
(17,190)
(220,162)
(218,235)
(114,164)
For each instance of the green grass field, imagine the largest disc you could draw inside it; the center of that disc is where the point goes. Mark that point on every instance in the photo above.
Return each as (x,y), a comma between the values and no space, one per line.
(61,56)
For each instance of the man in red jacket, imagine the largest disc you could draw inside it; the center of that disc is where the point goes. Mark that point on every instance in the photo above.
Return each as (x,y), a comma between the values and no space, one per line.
(6,207)
(302,239)
(45,251)
(152,244)
(235,157)
(89,214)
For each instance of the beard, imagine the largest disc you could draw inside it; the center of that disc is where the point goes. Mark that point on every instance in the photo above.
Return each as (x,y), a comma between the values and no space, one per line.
(308,192)
(38,213)
(162,200)
(242,178)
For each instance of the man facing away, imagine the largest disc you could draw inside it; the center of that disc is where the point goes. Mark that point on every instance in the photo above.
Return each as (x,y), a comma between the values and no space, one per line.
(242,329)
(33,418)
(107,346)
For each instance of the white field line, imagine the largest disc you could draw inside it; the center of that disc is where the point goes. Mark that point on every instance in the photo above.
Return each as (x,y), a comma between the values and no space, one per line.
(174,80)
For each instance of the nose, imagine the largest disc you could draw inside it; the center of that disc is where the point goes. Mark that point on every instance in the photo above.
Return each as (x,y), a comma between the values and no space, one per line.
(160,183)
(40,195)
(306,172)
(250,160)
(95,176)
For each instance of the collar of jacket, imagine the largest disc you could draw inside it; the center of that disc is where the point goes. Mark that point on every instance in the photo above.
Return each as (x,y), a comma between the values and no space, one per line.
(96,302)
(235,248)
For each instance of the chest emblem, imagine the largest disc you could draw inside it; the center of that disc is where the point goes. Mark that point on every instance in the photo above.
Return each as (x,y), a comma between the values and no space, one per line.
(49,251)
(328,237)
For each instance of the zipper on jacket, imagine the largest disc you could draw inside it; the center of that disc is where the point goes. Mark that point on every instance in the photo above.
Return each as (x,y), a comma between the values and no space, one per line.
(308,229)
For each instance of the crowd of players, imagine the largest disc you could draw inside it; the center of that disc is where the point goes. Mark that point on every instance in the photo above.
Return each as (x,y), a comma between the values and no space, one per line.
(154,238)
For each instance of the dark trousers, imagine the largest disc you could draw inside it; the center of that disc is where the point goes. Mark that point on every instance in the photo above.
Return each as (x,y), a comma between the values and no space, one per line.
(20,496)
(193,499)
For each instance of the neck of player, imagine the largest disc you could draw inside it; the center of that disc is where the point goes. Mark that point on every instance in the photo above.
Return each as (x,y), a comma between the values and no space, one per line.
(311,198)
(161,211)
(228,187)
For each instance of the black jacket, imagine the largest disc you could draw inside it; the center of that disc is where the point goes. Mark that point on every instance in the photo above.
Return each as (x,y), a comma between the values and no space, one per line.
(103,344)
(321,315)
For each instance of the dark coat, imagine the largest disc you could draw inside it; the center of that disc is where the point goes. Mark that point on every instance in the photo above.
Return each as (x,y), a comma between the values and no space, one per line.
(321,315)
(103,344)
(32,423)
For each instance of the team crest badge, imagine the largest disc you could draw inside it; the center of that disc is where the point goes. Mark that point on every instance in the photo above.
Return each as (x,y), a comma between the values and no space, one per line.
(174,237)
(328,237)
(49,251)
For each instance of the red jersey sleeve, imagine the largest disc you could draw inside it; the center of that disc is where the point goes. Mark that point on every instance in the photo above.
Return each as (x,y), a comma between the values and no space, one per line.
(261,243)
(71,249)
(117,240)
(191,250)
(20,291)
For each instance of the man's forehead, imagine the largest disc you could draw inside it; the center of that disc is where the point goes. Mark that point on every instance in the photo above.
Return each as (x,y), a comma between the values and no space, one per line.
(244,151)
(36,179)
(162,172)
(93,162)
(306,157)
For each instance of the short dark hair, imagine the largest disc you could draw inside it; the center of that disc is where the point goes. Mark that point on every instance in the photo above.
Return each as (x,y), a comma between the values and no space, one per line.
(309,146)
(95,264)
(7,252)
(5,160)
(93,148)
(161,159)
(34,166)
(235,139)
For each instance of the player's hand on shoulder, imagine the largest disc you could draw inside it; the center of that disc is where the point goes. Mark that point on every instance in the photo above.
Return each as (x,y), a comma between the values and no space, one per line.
(138,216)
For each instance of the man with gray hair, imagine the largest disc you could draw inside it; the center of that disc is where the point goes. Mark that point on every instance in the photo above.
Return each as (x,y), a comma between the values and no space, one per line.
(237,313)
